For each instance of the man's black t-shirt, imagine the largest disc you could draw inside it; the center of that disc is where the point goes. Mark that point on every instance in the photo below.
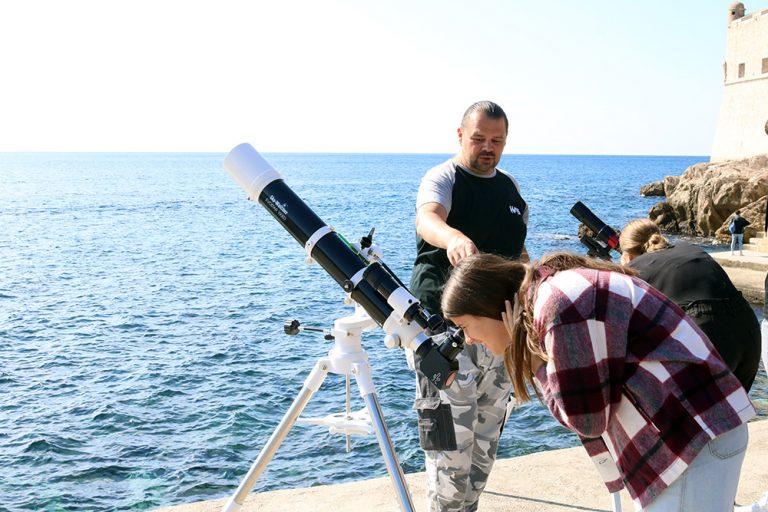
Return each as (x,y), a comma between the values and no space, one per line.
(489,210)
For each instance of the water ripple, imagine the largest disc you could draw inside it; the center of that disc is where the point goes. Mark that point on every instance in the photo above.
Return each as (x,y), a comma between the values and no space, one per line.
(141,331)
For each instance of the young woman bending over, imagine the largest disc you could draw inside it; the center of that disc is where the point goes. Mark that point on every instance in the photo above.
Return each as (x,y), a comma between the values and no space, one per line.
(619,364)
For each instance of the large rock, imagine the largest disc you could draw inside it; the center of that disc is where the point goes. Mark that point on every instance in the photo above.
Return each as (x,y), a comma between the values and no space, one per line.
(653,189)
(670,182)
(707,194)
(664,216)
(663,187)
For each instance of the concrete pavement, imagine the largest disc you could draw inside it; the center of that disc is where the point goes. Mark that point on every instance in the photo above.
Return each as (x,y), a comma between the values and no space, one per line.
(551,481)
(747,272)
(556,480)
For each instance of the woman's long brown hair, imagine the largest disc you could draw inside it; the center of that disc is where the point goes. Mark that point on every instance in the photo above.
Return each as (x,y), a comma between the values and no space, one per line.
(480,284)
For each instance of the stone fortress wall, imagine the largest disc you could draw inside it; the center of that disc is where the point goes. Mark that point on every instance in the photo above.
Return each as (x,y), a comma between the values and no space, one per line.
(742,129)
(703,199)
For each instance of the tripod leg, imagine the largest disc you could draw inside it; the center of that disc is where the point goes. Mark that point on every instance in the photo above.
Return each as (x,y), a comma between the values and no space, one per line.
(362,374)
(311,385)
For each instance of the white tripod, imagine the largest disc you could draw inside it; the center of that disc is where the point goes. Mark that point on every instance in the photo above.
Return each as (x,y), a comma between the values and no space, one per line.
(347,357)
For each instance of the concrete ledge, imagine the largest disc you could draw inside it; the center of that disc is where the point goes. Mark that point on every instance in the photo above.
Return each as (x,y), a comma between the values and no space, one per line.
(747,272)
(557,481)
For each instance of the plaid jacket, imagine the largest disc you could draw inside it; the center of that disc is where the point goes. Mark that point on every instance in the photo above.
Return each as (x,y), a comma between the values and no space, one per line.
(633,377)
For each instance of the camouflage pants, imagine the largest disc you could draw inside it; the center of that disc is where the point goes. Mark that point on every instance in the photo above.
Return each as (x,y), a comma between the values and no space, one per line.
(478,399)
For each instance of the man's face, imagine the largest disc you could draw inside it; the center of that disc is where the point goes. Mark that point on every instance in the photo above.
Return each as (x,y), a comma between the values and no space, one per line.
(482,142)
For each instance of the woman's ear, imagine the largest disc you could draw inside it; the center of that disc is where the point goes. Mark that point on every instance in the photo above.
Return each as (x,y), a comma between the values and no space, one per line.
(626,258)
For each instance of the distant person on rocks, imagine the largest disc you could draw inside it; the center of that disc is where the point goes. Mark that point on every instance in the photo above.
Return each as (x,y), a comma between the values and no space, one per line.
(736,227)
(697,283)
(463,206)
(619,364)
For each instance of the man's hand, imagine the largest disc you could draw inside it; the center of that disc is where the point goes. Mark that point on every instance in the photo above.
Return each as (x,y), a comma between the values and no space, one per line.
(432,226)
(459,247)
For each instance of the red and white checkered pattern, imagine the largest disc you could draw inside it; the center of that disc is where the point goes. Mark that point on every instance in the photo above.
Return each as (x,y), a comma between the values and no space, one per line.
(633,377)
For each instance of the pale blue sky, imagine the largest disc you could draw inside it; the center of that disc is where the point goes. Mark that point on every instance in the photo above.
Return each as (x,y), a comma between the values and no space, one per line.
(619,77)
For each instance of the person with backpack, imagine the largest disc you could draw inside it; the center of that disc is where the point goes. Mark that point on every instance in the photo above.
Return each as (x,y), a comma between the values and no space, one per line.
(736,227)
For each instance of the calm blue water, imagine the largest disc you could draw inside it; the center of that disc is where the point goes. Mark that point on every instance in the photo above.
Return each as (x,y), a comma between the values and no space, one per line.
(142,300)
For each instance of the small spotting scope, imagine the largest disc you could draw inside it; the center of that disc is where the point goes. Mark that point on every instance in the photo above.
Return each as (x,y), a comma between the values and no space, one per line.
(605,237)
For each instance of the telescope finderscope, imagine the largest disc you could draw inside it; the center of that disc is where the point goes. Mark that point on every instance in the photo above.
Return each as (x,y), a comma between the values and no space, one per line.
(369,283)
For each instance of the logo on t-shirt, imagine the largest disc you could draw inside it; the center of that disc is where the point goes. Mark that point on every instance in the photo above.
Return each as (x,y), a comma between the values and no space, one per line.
(514,209)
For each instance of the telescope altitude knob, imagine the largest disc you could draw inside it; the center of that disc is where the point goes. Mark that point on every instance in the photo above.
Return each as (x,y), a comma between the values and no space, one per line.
(392,341)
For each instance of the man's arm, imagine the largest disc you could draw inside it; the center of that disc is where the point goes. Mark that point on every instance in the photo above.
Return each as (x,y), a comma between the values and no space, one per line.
(432,227)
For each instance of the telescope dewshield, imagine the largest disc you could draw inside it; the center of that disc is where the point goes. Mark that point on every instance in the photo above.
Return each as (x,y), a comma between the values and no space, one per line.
(249,170)
(371,286)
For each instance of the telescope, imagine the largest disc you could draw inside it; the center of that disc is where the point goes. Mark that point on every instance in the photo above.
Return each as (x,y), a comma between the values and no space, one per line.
(605,237)
(361,273)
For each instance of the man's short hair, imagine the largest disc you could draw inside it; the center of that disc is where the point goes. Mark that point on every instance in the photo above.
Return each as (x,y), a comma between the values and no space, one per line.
(489,108)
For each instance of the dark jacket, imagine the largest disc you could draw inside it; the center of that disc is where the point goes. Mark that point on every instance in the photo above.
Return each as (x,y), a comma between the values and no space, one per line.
(739,223)
(693,280)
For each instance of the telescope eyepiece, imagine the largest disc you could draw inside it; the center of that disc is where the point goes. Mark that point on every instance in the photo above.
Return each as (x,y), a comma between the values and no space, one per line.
(453,343)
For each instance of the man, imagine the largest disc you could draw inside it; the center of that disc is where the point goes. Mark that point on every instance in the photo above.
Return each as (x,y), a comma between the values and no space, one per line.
(464,206)
(736,228)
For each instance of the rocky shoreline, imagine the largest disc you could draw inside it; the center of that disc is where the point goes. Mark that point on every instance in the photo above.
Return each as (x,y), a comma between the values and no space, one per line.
(701,201)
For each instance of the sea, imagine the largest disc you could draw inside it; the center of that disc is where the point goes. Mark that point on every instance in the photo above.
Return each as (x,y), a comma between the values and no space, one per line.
(143,357)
